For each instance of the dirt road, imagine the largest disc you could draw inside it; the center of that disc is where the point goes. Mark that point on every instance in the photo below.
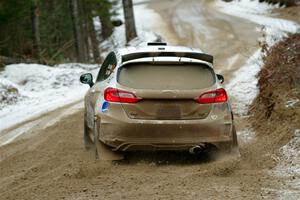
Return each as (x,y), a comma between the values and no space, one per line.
(49,161)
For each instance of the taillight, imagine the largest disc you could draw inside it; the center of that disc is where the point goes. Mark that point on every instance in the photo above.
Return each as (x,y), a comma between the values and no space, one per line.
(215,96)
(121,96)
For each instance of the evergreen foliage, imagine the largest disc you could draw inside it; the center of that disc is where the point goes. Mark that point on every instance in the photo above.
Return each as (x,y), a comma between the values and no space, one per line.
(50,23)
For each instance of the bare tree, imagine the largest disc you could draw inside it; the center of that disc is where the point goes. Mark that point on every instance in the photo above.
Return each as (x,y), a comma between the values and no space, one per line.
(91,32)
(84,28)
(79,46)
(95,41)
(129,20)
(35,20)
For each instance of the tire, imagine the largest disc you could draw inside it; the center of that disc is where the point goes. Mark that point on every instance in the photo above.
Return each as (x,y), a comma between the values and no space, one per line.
(234,138)
(88,143)
(104,152)
(230,147)
(235,147)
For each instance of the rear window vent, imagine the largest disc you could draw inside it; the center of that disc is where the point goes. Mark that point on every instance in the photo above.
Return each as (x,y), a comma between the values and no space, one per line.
(157,44)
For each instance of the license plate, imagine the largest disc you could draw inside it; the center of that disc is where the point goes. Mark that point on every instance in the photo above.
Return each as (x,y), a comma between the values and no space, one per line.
(168,113)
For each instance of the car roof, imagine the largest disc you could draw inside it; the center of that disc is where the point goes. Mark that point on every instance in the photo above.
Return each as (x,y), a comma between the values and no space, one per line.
(165,53)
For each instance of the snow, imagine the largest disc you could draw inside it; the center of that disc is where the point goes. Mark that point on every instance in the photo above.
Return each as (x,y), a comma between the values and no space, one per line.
(144,30)
(259,13)
(291,103)
(243,87)
(30,90)
(42,123)
(246,135)
(289,161)
(146,19)
(38,89)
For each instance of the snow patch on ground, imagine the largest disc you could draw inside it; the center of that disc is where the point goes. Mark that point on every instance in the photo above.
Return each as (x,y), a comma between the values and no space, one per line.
(259,13)
(9,93)
(243,87)
(246,135)
(146,19)
(289,161)
(41,123)
(291,103)
(30,90)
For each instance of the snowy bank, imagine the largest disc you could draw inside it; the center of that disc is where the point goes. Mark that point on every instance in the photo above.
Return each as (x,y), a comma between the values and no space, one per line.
(259,13)
(243,87)
(29,90)
(289,161)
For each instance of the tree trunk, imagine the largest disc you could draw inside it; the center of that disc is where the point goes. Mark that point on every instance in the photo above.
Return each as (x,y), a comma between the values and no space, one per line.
(36,39)
(106,28)
(129,20)
(94,40)
(80,54)
(86,40)
(105,20)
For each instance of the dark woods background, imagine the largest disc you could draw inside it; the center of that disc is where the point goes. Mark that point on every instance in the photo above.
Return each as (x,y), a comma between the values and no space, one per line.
(53,31)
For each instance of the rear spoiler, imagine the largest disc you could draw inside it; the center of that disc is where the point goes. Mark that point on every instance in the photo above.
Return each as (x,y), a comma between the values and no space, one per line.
(199,56)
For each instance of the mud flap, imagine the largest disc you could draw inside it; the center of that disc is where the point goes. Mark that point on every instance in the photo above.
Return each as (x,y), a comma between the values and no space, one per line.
(103,152)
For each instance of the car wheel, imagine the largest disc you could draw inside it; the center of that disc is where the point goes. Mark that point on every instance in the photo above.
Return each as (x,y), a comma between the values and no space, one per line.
(104,152)
(234,146)
(88,143)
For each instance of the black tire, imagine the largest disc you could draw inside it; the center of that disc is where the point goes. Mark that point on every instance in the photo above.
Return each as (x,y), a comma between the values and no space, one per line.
(235,146)
(88,143)
(96,141)
(234,138)
(102,151)
(230,147)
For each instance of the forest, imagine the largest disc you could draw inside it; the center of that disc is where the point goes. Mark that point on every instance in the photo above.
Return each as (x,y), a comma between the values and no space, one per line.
(55,31)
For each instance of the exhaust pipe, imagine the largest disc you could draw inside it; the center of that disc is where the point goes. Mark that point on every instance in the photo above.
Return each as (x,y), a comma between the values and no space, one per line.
(197,149)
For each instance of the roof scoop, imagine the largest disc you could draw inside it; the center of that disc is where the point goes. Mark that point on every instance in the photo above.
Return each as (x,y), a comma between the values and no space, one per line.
(157,44)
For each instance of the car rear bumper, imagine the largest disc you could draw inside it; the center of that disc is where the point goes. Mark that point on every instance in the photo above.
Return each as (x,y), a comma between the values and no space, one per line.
(169,136)
(124,134)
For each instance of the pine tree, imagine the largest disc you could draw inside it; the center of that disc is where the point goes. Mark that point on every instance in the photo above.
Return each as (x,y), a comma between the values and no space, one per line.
(53,30)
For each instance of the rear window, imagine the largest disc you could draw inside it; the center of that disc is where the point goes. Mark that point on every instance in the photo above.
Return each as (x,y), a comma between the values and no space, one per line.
(166,76)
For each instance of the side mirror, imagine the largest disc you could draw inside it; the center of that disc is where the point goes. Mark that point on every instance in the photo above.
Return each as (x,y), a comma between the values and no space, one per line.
(220,78)
(87,79)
